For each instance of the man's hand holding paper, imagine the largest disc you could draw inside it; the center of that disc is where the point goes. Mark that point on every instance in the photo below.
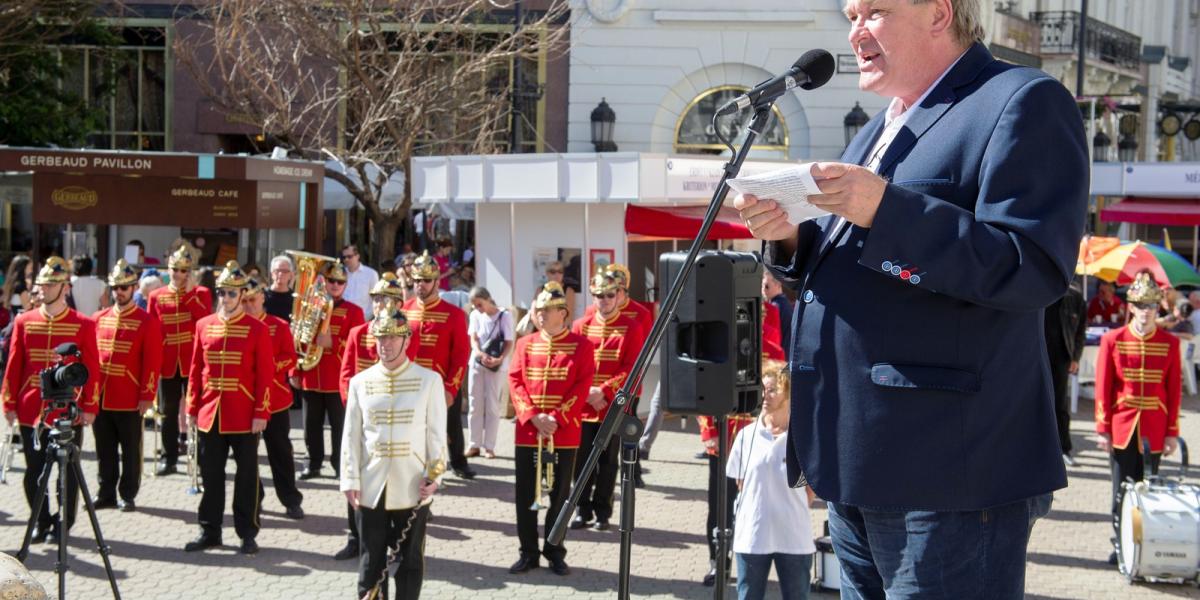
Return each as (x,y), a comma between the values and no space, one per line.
(849,191)
(846,190)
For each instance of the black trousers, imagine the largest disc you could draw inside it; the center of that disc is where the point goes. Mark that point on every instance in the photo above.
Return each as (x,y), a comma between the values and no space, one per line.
(35,461)
(597,499)
(280,458)
(118,453)
(169,403)
(527,519)
(455,442)
(717,477)
(1060,377)
(381,529)
(214,452)
(318,407)
(1128,463)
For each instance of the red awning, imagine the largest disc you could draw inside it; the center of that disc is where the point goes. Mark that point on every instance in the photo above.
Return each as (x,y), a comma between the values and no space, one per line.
(683,222)
(1154,211)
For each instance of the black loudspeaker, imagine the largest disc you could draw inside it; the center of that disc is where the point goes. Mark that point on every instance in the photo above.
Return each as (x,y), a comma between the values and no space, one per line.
(712,350)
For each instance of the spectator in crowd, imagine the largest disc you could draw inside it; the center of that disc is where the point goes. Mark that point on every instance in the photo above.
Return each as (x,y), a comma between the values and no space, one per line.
(492,338)
(442,257)
(361,279)
(1106,307)
(253,271)
(1183,327)
(87,290)
(142,258)
(1194,315)
(1066,332)
(149,282)
(278,298)
(17,283)
(772,292)
(773,523)
(556,272)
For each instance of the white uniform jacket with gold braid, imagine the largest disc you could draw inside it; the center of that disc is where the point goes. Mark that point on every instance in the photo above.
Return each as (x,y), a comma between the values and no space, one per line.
(395,428)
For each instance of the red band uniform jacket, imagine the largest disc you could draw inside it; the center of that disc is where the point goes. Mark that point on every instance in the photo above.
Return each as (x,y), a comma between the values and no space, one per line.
(177,313)
(324,377)
(360,354)
(31,349)
(617,341)
(130,346)
(1138,385)
(232,373)
(551,375)
(440,340)
(283,348)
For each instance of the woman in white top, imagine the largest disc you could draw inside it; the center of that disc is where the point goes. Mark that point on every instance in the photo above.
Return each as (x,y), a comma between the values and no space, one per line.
(771,520)
(490,327)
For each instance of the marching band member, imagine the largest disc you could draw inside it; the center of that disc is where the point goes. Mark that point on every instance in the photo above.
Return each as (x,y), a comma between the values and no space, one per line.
(177,307)
(441,344)
(617,338)
(130,354)
(549,380)
(360,354)
(229,401)
(319,386)
(395,449)
(275,436)
(36,333)
(1138,387)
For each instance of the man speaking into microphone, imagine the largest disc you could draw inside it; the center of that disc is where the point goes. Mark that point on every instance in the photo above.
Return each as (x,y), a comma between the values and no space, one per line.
(921,395)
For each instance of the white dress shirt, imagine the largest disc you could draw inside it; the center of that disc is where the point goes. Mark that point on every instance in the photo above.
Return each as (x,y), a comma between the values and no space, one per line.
(358,288)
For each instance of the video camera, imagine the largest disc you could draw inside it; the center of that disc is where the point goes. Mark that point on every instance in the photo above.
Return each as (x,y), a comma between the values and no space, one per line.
(60,381)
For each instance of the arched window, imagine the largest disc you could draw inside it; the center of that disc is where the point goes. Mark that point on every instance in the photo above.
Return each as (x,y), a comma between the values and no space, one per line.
(694,132)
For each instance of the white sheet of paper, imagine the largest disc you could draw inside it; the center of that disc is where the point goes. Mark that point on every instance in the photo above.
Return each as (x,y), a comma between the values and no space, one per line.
(790,187)
(131,254)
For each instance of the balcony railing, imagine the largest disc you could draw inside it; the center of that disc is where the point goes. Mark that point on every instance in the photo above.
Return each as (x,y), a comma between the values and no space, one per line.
(1060,35)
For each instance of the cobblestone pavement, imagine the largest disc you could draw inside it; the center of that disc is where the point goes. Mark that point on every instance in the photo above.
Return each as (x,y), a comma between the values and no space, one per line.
(472,540)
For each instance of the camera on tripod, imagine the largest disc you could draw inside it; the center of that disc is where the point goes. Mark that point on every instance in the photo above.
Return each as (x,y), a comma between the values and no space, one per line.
(60,382)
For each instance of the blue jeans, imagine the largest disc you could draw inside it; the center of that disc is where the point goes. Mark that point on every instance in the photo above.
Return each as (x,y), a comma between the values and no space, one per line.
(794,570)
(901,555)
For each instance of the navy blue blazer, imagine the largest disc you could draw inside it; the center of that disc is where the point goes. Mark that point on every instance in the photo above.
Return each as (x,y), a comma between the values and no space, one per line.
(920,376)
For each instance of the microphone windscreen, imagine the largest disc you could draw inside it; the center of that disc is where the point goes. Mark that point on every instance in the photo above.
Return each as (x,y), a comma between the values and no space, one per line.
(818,65)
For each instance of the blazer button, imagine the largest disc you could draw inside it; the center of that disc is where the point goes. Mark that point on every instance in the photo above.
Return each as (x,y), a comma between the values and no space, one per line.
(887,266)
(808,296)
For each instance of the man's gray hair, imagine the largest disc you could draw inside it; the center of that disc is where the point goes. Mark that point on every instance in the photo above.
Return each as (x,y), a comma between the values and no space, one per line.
(282,258)
(967,26)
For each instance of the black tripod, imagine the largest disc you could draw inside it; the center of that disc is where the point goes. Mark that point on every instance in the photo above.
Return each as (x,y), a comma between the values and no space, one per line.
(619,414)
(65,452)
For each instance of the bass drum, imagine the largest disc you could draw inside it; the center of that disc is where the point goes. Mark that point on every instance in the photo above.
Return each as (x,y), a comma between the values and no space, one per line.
(1160,531)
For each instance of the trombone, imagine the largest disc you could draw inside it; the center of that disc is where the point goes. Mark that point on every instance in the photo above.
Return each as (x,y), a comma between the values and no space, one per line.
(193,466)
(544,471)
(8,450)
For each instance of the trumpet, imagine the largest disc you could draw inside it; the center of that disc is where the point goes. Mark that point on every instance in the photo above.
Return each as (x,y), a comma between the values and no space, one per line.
(546,459)
(8,450)
(153,414)
(193,463)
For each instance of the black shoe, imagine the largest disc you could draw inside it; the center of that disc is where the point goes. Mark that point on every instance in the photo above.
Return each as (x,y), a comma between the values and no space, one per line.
(38,536)
(203,542)
(165,468)
(559,566)
(349,551)
(309,473)
(638,482)
(126,505)
(464,472)
(601,525)
(1112,558)
(52,534)
(525,563)
(579,523)
(104,503)
(701,455)
(294,512)
(249,546)
(710,579)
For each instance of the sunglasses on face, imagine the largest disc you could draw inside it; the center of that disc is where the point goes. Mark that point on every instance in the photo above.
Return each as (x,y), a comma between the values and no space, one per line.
(122,288)
(227,293)
(607,296)
(335,282)
(180,270)
(423,281)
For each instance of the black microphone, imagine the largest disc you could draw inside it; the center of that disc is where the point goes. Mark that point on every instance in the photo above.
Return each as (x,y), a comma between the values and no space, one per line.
(812,71)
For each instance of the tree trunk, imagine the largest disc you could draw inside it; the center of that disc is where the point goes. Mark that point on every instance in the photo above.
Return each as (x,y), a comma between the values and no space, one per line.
(386,226)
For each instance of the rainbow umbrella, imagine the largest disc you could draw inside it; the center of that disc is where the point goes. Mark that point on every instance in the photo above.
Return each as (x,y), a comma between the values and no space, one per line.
(1122,263)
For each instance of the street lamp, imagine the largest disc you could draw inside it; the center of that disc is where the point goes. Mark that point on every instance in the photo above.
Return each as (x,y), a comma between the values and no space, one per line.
(1127,148)
(603,118)
(854,121)
(1100,144)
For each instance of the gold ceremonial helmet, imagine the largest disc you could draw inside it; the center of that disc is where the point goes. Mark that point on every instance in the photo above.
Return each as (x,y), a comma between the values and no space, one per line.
(388,285)
(54,271)
(391,321)
(425,268)
(254,286)
(551,296)
(602,283)
(620,273)
(232,277)
(1144,290)
(184,257)
(335,271)
(122,274)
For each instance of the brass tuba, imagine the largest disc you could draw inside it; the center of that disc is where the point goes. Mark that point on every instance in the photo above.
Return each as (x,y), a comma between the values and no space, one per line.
(311,307)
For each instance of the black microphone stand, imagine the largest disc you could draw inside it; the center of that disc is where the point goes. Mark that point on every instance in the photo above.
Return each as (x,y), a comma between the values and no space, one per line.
(620,415)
